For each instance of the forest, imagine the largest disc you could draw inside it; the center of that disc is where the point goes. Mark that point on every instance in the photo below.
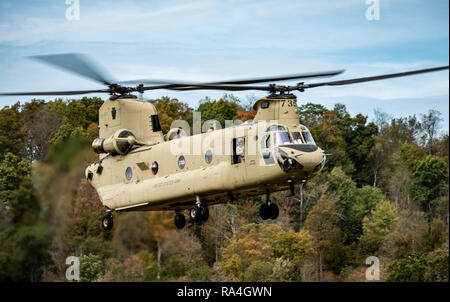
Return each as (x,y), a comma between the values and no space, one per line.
(383,192)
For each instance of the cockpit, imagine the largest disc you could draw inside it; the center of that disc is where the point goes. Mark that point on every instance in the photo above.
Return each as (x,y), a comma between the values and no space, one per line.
(277,135)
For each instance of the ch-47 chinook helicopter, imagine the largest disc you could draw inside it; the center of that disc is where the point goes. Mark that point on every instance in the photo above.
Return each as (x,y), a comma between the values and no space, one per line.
(142,169)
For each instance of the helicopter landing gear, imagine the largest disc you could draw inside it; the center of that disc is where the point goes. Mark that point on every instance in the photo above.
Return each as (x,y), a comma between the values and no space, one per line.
(268,209)
(180,220)
(107,222)
(199,213)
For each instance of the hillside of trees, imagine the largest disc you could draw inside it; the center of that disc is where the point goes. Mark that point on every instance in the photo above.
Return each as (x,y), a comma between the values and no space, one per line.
(383,192)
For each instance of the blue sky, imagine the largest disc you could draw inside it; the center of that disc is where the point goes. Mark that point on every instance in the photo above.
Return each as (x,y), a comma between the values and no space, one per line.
(218,40)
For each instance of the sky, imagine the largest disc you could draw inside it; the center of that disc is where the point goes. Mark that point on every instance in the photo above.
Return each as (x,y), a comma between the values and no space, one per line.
(231,39)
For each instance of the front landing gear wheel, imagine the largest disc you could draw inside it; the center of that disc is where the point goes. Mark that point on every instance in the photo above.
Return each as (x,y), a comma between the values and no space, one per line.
(107,222)
(180,220)
(273,211)
(264,211)
(194,213)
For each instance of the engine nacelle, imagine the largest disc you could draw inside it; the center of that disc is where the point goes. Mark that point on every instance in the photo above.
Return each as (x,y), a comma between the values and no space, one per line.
(119,143)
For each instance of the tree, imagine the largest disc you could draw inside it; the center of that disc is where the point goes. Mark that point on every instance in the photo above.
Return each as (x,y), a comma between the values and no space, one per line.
(16,190)
(219,110)
(322,224)
(376,226)
(170,109)
(83,112)
(12,137)
(378,157)
(412,155)
(409,236)
(430,126)
(409,269)
(24,251)
(430,180)
(82,231)
(91,267)
(160,222)
(244,252)
(359,139)
(294,247)
(352,204)
(311,114)
(40,122)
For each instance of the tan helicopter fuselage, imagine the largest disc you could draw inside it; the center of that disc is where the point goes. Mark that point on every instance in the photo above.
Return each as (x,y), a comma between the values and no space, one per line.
(144,170)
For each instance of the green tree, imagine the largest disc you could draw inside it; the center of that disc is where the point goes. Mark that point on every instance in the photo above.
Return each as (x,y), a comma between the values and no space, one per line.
(376,226)
(83,112)
(91,267)
(12,138)
(220,110)
(24,252)
(412,155)
(16,189)
(409,269)
(352,204)
(359,137)
(430,180)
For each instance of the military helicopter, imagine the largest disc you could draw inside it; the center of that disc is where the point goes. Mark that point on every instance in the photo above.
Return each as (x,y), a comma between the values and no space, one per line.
(142,169)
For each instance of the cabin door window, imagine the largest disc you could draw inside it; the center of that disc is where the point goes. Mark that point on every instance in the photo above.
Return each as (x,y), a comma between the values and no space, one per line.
(237,150)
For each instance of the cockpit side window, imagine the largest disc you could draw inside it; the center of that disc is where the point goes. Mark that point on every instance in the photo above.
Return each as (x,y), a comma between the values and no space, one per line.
(307,136)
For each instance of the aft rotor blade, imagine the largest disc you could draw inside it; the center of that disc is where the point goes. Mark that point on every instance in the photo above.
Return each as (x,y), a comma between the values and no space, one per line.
(54,92)
(79,64)
(242,81)
(374,78)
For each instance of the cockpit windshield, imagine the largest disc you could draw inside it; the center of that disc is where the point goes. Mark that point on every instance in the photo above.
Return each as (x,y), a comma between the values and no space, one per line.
(307,136)
(282,138)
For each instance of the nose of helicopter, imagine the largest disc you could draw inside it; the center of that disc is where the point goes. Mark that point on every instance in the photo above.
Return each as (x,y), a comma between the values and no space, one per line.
(307,158)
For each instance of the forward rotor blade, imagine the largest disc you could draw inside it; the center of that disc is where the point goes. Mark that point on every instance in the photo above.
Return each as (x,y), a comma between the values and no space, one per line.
(242,81)
(54,92)
(229,87)
(79,64)
(374,78)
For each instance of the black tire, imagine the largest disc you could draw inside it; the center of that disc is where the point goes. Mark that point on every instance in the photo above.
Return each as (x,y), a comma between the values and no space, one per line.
(273,211)
(180,221)
(264,212)
(107,222)
(194,213)
(204,213)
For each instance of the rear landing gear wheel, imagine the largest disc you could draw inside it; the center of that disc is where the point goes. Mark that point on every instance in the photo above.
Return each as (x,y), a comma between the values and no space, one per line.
(273,211)
(264,211)
(180,220)
(107,222)
(204,213)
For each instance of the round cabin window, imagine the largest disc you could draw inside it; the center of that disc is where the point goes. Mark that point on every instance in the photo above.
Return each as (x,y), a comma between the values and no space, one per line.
(181,162)
(128,173)
(155,167)
(208,157)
